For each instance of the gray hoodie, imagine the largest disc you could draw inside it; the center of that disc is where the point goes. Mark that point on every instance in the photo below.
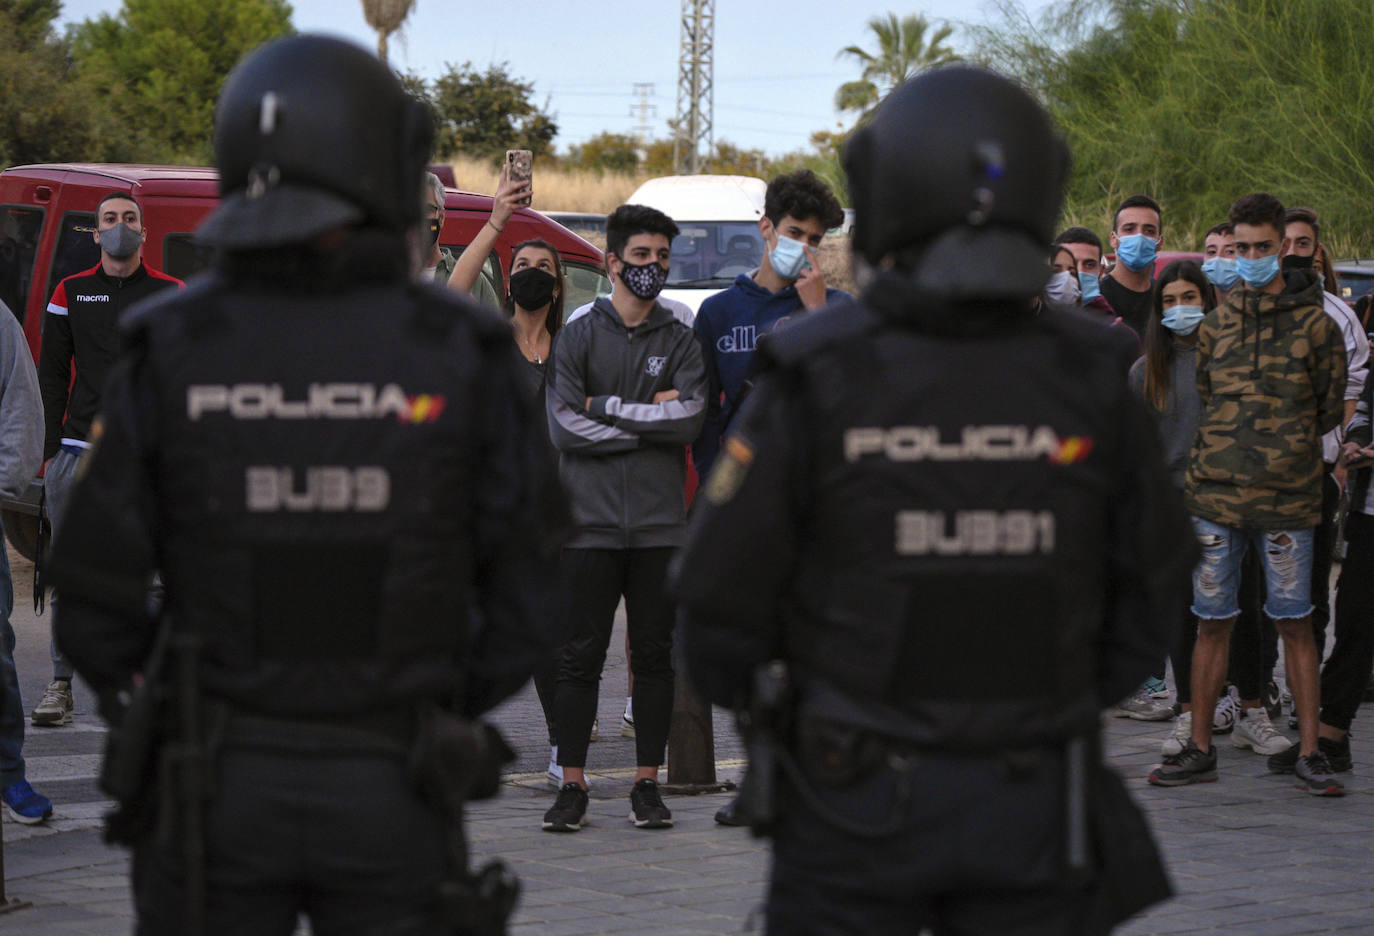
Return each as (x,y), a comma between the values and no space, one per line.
(21,409)
(623,457)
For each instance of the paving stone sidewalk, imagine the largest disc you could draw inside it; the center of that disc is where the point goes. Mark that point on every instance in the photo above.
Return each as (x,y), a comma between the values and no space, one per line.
(1249,855)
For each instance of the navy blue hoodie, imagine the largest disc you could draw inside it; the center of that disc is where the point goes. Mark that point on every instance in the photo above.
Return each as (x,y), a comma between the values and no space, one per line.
(728,326)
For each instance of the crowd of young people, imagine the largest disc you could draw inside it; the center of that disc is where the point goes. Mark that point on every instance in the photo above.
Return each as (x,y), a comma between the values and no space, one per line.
(1256,373)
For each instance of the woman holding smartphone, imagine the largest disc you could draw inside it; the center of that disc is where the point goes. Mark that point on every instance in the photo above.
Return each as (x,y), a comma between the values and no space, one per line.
(510,195)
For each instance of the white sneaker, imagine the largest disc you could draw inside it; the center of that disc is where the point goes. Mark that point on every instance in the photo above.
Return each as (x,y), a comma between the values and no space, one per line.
(1227,711)
(1183,730)
(55,708)
(1255,731)
(1142,708)
(555,772)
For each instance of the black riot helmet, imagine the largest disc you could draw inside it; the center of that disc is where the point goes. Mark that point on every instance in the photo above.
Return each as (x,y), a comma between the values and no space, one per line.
(312,133)
(957,181)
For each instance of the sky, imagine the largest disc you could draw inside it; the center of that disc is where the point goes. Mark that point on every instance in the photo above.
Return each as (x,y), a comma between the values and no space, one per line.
(776,69)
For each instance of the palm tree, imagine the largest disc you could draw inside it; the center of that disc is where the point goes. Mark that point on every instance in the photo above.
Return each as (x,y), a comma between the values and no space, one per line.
(903,50)
(386,16)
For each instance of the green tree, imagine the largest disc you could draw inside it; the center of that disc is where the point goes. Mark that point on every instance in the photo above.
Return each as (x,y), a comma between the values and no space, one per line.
(45,114)
(729,159)
(903,49)
(157,67)
(606,152)
(1197,102)
(486,113)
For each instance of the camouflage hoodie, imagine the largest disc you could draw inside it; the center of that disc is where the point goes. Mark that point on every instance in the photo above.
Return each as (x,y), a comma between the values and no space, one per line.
(1271,374)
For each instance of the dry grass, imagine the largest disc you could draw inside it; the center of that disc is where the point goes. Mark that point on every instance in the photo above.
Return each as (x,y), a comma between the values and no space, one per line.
(554,189)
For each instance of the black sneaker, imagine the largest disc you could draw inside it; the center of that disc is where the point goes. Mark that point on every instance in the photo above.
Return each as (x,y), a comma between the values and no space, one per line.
(1272,700)
(1284,761)
(1337,754)
(646,806)
(569,811)
(728,815)
(1316,776)
(1190,765)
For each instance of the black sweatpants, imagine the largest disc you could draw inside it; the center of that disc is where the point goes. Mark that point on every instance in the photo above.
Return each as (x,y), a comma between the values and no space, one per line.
(1347,670)
(596,580)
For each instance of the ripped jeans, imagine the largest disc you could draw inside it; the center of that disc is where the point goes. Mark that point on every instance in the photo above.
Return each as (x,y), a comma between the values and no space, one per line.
(1285,555)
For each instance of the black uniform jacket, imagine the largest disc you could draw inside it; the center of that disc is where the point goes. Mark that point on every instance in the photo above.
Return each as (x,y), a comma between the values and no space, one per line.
(340,490)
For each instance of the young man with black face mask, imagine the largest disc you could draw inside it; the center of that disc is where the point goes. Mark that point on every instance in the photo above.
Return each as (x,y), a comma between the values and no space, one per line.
(1137,233)
(626,395)
(798,209)
(80,329)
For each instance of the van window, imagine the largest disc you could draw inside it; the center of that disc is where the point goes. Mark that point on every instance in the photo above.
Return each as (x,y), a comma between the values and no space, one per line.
(76,249)
(713,253)
(582,284)
(182,257)
(19,230)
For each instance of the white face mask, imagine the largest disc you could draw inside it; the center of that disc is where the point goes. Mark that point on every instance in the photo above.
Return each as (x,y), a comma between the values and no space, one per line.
(1062,289)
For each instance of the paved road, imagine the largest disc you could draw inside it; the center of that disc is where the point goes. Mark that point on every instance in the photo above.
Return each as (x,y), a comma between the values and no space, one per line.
(1249,855)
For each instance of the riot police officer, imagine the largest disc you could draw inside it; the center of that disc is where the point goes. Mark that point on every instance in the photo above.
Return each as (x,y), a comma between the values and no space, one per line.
(938,541)
(333,476)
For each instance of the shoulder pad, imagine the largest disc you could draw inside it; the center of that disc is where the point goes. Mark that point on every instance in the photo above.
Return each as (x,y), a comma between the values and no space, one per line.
(805,336)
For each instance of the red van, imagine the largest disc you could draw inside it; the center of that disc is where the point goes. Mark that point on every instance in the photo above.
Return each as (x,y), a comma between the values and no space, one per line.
(47,217)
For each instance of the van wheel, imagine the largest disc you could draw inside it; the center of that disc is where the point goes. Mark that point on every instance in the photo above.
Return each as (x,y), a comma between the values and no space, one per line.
(21,530)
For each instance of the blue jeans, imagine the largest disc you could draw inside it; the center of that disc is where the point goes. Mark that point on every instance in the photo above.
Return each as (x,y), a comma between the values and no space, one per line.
(12,715)
(1285,555)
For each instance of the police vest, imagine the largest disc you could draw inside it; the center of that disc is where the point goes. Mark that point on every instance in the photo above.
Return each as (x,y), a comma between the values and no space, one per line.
(956,490)
(315,460)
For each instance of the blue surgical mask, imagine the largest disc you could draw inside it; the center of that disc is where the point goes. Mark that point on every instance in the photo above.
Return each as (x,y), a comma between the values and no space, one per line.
(1222,272)
(1062,290)
(1136,251)
(1090,286)
(788,258)
(1260,272)
(1183,319)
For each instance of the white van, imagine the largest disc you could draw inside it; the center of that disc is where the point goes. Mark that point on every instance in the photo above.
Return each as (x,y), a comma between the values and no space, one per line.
(718,217)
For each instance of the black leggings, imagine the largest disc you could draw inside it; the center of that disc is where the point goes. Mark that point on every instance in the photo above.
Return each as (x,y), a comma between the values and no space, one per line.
(1347,671)
(596,579)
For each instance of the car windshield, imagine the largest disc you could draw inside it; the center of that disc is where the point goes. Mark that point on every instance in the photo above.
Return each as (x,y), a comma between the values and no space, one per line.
(713,253)
(1355,283)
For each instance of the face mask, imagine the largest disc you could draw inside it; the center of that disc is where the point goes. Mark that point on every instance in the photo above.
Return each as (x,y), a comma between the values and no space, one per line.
(1090,287)
(1258,273)
(646,280)
(1136,251)
(432,236)
(1183,319)
(1294,262)
(120,241)
(1062,289)
(788,259)
(1222,272)
(532,288)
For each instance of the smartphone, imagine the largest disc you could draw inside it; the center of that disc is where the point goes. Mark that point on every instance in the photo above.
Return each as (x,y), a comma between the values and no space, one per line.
(521,163)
